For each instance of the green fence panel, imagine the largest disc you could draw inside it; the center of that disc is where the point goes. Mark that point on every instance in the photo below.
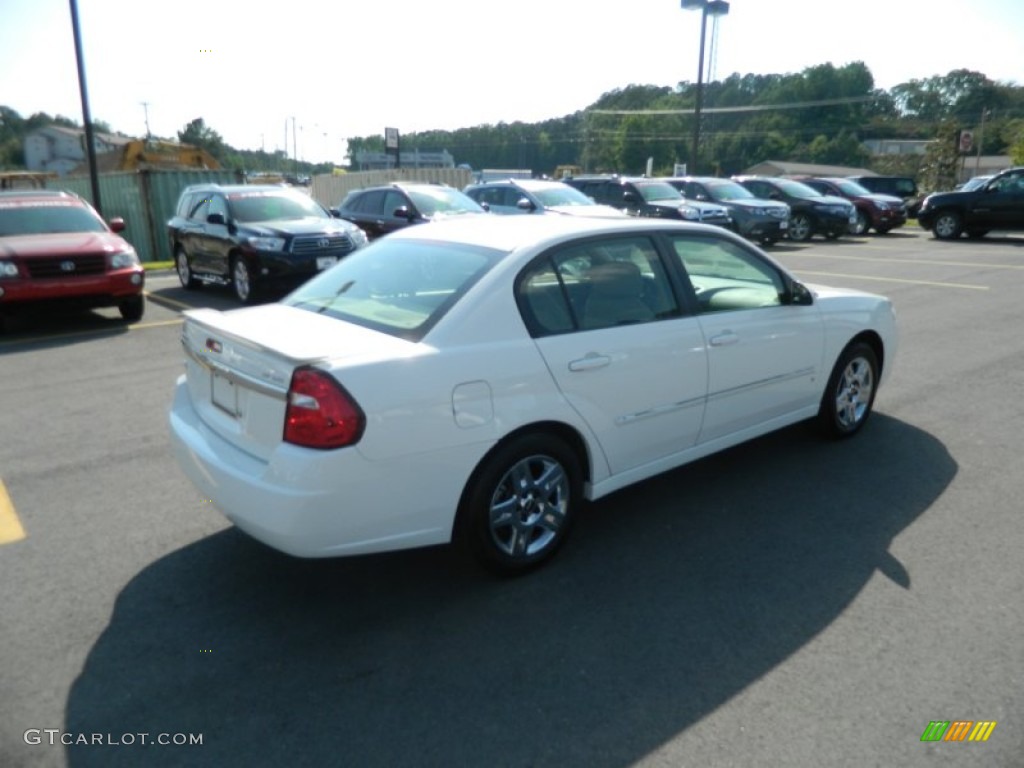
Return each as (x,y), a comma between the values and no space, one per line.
(145,200)
(120,195)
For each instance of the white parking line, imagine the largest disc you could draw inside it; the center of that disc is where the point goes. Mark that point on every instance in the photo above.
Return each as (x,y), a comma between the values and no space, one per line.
(931,262)
(935,284)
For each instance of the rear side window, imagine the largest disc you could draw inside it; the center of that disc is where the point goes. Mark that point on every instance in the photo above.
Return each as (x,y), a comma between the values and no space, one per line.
(600,283)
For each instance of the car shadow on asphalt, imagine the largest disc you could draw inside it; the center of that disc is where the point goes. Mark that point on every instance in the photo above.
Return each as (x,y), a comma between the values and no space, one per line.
(672,597)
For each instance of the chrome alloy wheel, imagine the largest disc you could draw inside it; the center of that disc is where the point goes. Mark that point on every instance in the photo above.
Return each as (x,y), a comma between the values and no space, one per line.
(854,392)
(529,506)
(241,280)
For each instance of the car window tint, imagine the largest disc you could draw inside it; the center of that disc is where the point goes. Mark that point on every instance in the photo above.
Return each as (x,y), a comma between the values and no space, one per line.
(614,281)
(392,201)
(542,301)
(199,207)
(725,276)
(371,203)
(185,205)
(217,205)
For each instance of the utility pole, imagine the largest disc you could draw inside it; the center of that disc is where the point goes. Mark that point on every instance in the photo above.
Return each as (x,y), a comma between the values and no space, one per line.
(90,144)
(145,109)
(981,139)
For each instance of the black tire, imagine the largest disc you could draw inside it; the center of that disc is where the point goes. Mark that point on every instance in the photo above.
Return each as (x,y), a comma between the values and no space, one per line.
(520,504)
(800,227)
(861,225)
(242,282)
(833,235)
(850,393)
(184,269)
(883,230)
(132,309)
(948,225)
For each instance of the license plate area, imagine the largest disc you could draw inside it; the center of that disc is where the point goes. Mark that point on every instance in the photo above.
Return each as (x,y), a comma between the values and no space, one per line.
(324,262)
(224,394)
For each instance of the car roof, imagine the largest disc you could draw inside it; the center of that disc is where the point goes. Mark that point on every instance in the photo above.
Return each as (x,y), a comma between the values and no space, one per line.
(507,233)
(37,195)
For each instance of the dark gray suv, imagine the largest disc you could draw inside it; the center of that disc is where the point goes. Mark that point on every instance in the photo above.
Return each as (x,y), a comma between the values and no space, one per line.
(765,221)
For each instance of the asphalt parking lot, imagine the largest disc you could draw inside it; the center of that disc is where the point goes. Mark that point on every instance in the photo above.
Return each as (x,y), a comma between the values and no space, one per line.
(791,602)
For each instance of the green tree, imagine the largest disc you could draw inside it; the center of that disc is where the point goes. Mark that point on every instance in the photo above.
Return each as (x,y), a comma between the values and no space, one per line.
(198,134)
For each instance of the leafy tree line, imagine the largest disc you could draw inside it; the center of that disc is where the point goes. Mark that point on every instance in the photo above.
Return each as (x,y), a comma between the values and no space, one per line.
(820,115)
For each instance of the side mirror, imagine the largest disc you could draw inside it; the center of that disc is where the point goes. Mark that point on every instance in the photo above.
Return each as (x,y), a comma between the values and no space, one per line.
(799,295)
(525,205)
(216,218)
(117,224)
(403,212)
(629,197)
(486,206)
(335,213)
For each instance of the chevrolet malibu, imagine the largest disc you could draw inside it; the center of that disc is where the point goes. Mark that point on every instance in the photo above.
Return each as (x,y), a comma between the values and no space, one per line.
(478,380)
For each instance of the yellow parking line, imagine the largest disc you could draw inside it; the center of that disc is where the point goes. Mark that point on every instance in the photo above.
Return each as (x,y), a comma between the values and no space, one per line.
(171,302)
(10,526)
(89,332)
(967,286)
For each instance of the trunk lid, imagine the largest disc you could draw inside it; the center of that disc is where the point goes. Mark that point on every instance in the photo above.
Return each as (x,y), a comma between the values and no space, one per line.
(239,365)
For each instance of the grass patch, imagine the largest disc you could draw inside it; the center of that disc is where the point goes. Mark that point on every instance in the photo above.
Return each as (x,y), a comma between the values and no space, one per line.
(151,265)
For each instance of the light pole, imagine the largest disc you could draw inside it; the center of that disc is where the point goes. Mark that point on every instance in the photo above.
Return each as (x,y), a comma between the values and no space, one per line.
(707,8)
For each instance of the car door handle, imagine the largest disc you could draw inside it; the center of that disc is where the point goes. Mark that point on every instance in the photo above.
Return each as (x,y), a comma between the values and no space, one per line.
(724,339)
(589,362)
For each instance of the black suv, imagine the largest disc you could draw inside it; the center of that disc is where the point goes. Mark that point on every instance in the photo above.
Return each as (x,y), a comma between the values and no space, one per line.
(380,210)
(812,213)
(997,204)
(882,213)
(257,238)
(654,198)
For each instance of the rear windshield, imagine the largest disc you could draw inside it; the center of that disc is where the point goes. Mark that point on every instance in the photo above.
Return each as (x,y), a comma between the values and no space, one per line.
(47,218)
(400,287)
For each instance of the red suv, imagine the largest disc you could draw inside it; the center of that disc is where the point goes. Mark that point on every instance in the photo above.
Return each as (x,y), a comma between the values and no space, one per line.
(881,213)
(54,247)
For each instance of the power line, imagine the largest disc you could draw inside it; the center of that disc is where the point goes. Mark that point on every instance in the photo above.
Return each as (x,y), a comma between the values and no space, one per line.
(750,108)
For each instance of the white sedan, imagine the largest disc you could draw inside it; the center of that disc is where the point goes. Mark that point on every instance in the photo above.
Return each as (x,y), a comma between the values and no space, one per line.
(478,380)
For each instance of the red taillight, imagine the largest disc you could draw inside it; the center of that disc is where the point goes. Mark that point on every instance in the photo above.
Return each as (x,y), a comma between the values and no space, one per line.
(320,413)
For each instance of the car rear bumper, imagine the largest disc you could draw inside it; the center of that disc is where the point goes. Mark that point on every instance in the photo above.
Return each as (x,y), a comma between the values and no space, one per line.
(310,503)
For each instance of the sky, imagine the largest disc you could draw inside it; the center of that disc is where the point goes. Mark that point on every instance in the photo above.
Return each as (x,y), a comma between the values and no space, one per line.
(339,68)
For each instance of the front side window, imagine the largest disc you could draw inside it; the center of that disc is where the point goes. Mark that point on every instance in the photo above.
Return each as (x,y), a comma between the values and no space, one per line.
(400,287)
(218,205)
(725,276)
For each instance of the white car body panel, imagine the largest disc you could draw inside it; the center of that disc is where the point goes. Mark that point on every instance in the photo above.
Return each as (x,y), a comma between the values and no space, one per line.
(435,407)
